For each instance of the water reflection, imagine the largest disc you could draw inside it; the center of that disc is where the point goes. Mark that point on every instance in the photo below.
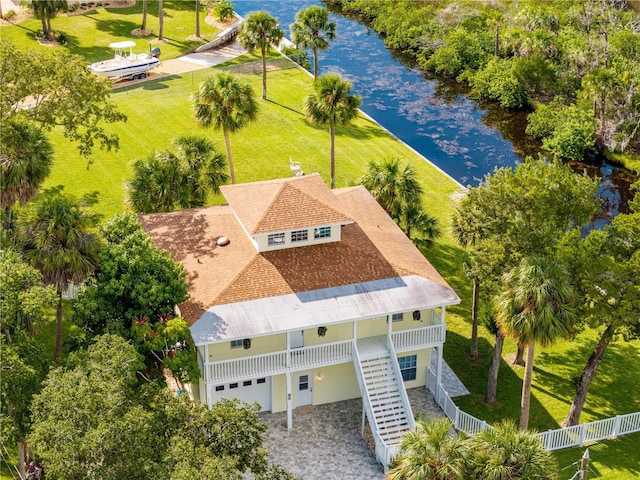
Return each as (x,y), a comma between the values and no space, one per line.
(464,138)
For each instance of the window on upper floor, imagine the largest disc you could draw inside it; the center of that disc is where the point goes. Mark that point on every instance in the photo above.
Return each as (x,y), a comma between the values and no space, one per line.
(237,343)
(275,239)
(408,367)
(299,235)
(397,317)
(322,232)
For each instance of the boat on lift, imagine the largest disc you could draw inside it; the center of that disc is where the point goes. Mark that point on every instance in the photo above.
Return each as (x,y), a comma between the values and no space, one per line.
(125,64)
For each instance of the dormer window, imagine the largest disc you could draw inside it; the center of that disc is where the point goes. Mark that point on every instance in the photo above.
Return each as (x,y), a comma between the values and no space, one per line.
(321,232)
(299,235)
(275,239)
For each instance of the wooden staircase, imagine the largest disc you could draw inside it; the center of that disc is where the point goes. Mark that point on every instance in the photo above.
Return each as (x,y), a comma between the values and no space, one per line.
(392,416)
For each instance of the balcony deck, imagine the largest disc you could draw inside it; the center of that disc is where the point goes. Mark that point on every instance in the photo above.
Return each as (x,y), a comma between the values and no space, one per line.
(316,356)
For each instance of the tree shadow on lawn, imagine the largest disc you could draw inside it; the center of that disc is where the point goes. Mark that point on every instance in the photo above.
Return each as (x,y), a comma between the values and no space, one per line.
(615,387)
(113,26)
(474,375)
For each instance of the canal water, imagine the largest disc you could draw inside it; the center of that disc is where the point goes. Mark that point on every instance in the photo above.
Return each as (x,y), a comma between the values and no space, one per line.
(464,138)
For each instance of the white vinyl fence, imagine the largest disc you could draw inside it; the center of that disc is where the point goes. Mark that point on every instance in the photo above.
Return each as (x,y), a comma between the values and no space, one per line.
(576,436)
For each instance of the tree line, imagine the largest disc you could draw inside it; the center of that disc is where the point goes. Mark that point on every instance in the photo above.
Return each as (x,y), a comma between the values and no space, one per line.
(576,63)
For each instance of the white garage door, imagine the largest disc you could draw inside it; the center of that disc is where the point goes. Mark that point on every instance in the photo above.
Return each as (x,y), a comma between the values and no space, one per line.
(254,390)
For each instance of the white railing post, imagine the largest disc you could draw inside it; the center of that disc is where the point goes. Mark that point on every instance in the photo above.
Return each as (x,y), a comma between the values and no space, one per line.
(455,420)
(616,427)
(582,434)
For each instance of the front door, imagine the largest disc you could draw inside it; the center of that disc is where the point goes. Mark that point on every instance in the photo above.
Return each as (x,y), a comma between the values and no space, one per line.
(304,389)
(297,339)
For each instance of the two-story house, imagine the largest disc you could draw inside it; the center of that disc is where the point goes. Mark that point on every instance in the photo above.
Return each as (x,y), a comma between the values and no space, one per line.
(302,295)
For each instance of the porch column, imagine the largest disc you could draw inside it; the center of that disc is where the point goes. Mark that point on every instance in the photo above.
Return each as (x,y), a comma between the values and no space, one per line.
(205,380)
(438,371)
(355,330)
(389,324)
(289,410)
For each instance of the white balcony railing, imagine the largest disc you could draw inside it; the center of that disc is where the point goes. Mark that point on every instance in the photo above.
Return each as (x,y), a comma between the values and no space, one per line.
(313,356)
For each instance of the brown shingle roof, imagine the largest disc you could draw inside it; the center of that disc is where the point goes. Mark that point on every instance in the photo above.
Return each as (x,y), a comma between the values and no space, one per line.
(373,248)
(284,204)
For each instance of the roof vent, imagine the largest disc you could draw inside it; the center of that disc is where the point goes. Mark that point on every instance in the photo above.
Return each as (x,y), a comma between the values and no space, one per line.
(222,241)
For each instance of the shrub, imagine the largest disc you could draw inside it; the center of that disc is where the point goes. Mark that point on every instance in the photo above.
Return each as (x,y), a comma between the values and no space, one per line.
(9,15)
(498,82)
(299,56)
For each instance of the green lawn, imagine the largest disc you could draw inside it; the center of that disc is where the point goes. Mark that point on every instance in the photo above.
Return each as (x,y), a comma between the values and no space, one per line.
(89,34)
(158,110)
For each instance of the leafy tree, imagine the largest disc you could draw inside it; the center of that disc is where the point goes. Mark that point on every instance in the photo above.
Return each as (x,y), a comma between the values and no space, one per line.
(260,30)
(94,419)
(535,306)
(312,28)
(26,157)
(430,451)
(331,104)
(566,131)
(167,181)
(60,91)
(45,10)
(519,212)
(134,292)
(226,104)
(134,280)
(223,9)
(497,81)
(58,238)
(606,265)
(397,190)
(461,50)
(506,453)
(88,422)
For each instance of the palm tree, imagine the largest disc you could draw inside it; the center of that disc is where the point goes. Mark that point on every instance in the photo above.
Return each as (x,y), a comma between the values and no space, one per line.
(26,158)
(430,451)
(58,239)
(506,453)
(226,103)
(260,30)
(203,167)
(46,10)
(421,227)
(331,105)
(392,185)
(312,28)
(535,306)
(167,181)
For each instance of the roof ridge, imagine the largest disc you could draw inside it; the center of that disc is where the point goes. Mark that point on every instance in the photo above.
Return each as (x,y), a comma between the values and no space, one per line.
(267,209)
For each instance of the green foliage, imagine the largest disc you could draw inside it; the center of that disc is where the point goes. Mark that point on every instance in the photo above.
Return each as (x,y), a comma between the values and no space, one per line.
(23,299)
(567,132)
(27,156)
(497,81)
(134,279)
(223,9)
(167,181)
(298,55)
(461,50)
(331,104)
(64,93)
(227,103)
(312,28)
(397,190)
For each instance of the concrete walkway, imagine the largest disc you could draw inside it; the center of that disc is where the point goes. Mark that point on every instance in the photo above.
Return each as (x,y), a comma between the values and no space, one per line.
(325,441)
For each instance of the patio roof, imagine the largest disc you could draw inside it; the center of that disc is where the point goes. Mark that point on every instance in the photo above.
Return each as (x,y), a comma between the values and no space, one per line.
(296,311)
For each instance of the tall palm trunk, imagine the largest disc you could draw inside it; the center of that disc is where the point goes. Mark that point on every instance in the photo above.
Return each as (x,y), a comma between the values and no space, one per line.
(160,20)
(588,373)
(519,360)
(474,320)
(332,135)
(315,63)
(232,172)
(198,18)
(494,367)
(525,404)
(144,15)
(264,72)
(58,350)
